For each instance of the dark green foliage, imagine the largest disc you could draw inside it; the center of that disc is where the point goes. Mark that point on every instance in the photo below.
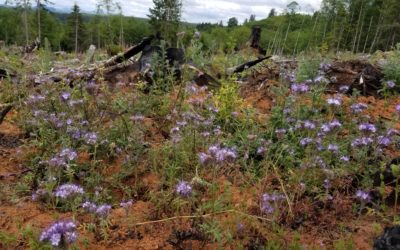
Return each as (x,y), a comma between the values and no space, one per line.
(165,17)
(233,22)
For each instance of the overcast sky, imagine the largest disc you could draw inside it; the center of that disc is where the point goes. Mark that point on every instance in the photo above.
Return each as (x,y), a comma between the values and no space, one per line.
(196,11)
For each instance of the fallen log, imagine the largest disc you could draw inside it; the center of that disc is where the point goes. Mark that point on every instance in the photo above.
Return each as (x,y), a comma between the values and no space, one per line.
(5,111)
(246,65)
(129,53)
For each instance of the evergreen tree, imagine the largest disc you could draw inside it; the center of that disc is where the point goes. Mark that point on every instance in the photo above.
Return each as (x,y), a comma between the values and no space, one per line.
(252,18)
(272,13)
(233,22)
(165,17)
(25,5)
(74,36)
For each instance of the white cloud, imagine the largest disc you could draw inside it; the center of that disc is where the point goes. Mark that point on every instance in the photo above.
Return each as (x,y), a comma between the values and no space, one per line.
(200,10)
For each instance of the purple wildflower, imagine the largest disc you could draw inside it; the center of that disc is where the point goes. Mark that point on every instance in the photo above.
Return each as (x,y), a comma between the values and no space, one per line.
(327,184)
(309,125)
(60,233)
(261,151)
(333,148)
(305,141)
(126,204)
(398,108)
(345,158)
(384,141)
(204,158)
(174,130)
(358,107)
(334,101)
(367,127)
(363,141)
(68,190)
(184,189)
(267,202)
(68,154)
(390,84)
(89,207)
(363,196)
(344,88)
(90,138)
(65,96)
(300,88)
(103,210)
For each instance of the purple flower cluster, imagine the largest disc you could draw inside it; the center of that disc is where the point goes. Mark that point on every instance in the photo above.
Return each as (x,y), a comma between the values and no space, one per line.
(398,108)
(358,107)
(184,189)
(363,141)
(390,84)
(306,141)
(328,127)
(367,127)
(363,196)
(67,190)
(218,154)
(62,158)
(334,101)
(300,88)
(268,201)
(100,210)
(126,204)
(90,138)
(60,233)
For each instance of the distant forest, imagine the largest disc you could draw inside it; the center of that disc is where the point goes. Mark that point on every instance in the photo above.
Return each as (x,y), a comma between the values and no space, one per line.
(359,26)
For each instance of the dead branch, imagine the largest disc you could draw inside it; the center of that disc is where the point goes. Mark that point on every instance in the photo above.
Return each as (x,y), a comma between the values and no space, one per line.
(5,111)
(129,53)
(246,65)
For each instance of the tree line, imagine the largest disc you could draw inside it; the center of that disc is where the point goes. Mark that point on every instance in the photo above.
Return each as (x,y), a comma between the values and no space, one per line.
(340,25)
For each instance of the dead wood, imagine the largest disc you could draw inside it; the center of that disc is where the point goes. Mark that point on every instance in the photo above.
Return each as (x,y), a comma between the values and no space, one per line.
(246,65)
(129,53)
(4,112)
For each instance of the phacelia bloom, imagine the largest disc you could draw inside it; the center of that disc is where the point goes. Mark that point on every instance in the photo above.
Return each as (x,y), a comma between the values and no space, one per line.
(300,88)
(305,141)
(309,125)
(363,196)
(324,67)
(174,130)
(358,107)
(184,189)
(268,201)
(333,147)
(103,210)
(367,127)
(204,158)
(60,233)
(363,141)
(390,84)
(345,158)
(65,96)
(222,154)
(384,141)
(392,132)
(328,127)
(68,190)
(344,88)
(398,108)
(126,204)
(327,184)
(261,150)
(334,101)
(68,154)
(90,138)
(89,207)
